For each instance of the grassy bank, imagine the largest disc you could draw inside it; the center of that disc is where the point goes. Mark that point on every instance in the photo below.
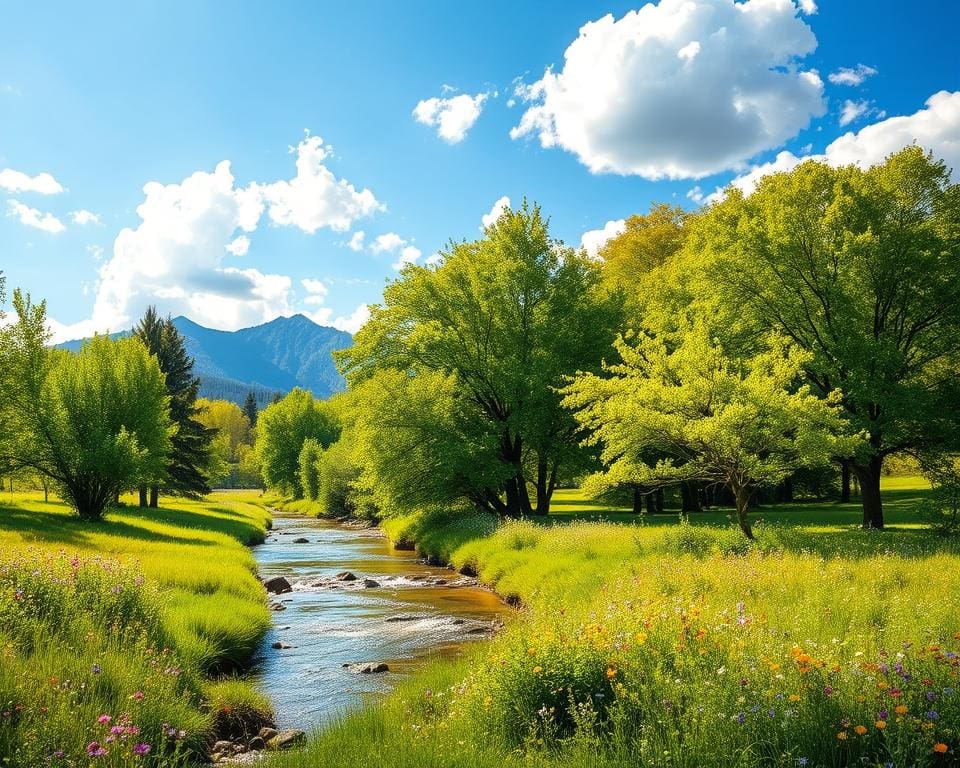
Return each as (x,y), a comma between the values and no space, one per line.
(134,624)
(668,644)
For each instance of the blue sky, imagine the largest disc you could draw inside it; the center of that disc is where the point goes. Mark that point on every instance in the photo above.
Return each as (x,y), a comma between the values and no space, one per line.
(665,105)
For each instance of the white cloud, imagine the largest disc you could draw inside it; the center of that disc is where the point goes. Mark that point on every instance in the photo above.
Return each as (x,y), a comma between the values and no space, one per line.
(935,128)
(16,181)
(31,217)
(851,75)
(489,219)
(387,243)
(239,246)
(809,7)
(317,290)
(593,240)
(96,251)
(434,259)
(356,240)
(408,255)
(314,198)
(452,117)
(852,110)
(84,217)
(354,321)
(636,96)
(695,194)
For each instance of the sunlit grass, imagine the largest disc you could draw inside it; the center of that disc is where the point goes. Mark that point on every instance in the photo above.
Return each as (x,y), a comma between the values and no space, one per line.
(190,609)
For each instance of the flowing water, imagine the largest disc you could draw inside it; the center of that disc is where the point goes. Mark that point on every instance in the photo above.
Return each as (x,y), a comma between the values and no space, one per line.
(415,611)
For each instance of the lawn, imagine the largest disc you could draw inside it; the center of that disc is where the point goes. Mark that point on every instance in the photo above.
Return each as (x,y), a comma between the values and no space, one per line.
(672,644)
(140,618)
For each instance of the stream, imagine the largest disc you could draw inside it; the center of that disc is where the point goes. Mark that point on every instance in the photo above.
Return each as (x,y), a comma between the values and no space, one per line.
(415,611)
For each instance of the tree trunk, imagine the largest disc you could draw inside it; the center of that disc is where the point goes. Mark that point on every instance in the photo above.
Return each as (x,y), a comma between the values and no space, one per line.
(154,496)
(651,507)
(658,501)
(786,490)
(844,482)
(868,476)
(637,500)
(543,487)
(143,496)
(742,496)
(689,497)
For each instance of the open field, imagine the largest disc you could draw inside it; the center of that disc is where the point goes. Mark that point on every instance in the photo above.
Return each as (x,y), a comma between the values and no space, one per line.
(136,618)
(684,645)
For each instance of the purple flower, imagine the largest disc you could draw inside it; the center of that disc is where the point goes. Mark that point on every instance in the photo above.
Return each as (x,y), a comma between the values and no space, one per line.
(96,669)
(931,715)
(827,690)
(741,718)
(883,715)
(95,750)
(141,749)
(931,695)
(802,761)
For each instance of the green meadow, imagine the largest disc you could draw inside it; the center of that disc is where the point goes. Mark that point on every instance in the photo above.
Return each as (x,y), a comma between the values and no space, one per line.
(669,643)
(137,622)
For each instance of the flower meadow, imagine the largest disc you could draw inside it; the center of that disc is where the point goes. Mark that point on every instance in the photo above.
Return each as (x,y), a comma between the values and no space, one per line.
(659,645)
(122,657)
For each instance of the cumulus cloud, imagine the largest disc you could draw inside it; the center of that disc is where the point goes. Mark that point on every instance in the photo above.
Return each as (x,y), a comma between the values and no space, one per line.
(453,117)
(489,219)
(681,89)
(809,7)
(31,217)
(593,240)
(314,198)
(351,323)
(936,128)
(316,290)
(84,217)
(851,75)
(391,242)
(17,181)
(356,241)
(853,110)
(176,254)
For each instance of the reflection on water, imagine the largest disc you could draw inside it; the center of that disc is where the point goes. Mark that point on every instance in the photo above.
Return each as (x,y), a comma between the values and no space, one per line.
(415,610)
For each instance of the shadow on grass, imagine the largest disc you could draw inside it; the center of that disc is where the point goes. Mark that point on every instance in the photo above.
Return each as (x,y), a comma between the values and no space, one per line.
(236,525)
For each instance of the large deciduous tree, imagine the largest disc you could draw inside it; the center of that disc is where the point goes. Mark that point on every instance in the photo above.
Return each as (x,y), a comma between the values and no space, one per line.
(667,414)
(190,451)
(498,325)
(861,268)
(93,422)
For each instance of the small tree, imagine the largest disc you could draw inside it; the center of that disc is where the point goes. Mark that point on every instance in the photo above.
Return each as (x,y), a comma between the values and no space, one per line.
(337,489)
(250,409)
(711,419)
(309,477)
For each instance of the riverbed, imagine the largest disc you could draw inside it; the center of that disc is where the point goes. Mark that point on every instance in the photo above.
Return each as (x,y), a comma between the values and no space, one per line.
(397,611)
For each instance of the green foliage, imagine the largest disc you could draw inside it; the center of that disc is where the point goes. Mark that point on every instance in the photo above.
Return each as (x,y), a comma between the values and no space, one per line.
(665,416)
(308,474)
(228,420)
(860,268)
(337,490)
(282,428)
(492,330)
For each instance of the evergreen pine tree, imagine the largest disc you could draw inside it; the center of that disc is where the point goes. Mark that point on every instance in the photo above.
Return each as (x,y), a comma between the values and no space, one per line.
(250,409)
(191,444)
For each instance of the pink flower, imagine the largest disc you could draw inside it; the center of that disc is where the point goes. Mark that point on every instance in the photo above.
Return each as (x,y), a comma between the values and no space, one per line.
(141,749)
(95,750)
(138,696)
(104,719)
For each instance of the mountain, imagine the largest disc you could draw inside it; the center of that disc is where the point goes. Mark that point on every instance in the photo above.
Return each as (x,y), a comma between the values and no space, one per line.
(274,357)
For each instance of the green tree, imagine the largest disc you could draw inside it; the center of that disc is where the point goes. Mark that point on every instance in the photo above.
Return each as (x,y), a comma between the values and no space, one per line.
(282,428)
(190,453)
(94,423)
(861,268)
(705,417)
(507,317)
(227,420)
(308,473)
(337,488)
(250,409)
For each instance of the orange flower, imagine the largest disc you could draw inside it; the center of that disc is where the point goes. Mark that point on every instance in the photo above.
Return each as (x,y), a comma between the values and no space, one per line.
(901,709)
(940,747)
(537,670)
(881,724)
(860,730)
(611,673)
(842,735)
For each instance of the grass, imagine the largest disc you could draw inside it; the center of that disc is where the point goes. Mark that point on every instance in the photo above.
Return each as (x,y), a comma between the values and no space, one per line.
(141,617)
(674,644)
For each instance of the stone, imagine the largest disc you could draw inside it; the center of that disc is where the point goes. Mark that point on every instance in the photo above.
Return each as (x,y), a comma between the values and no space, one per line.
(345,576)
(277,585)
(281,646)
(369,668)
(287,738)
(267,733)
(257,744)
(301,540)
(222,746)
(277,607)
(370,583)
(403,617)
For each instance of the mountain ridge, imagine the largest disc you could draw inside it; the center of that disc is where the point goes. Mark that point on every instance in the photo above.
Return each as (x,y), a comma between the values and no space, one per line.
(273,357)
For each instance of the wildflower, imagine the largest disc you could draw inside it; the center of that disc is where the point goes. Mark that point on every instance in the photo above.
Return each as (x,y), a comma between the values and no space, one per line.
(741,718)
(95,750)
(141,749)
(827,690)
(138,696)
(641,638)
(880,724)
(531,651)
(860,730)
(794,697)
(932,715)
(95,669)
(895,693)
(488,701)
(611,673)
(882,714)
(104,719)
(802,761)
(842,735)
(537,670)
(901,709)
(940,747)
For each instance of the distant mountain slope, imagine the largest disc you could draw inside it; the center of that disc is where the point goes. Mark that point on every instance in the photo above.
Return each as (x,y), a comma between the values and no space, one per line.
(274,357)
